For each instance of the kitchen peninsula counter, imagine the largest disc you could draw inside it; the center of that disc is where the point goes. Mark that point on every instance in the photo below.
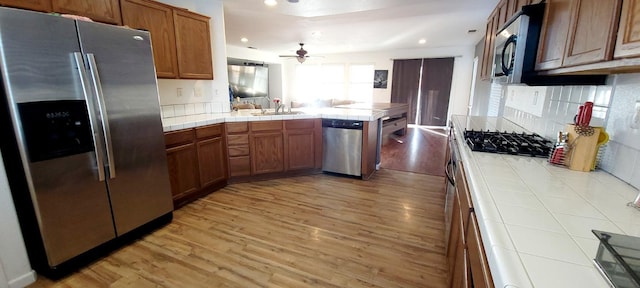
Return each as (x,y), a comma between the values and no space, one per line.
(535,219)
(244,115)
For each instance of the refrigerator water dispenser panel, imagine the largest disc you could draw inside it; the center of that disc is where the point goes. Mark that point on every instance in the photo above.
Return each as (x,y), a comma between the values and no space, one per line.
(54,129)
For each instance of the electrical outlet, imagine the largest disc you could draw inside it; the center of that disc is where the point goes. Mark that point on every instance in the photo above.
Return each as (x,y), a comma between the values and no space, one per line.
(197,91)
(179,92)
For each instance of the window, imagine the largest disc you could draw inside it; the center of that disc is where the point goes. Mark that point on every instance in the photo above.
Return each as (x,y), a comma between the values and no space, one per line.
(361,83)
(319,82)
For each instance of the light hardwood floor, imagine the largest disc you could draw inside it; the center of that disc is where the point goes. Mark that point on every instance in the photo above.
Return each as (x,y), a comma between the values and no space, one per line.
(311,231)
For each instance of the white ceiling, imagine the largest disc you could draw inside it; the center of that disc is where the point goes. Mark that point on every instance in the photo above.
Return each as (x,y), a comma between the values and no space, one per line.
(355,25)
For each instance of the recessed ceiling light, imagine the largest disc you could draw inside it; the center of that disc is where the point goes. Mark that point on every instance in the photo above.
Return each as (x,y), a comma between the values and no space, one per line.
(244,40)
(270,2)
(422,41)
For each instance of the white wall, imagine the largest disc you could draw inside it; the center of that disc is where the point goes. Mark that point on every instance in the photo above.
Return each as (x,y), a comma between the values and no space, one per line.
(212,91)
(15,270)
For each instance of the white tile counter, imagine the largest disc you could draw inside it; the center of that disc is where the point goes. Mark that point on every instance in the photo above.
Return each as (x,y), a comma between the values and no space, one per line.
(183,122)
(536,219)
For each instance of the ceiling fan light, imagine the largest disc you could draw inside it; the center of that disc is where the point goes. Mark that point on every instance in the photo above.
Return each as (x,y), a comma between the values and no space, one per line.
(300,59)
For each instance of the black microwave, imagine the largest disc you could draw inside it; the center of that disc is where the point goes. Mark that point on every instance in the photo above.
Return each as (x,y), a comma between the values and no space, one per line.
(515,49)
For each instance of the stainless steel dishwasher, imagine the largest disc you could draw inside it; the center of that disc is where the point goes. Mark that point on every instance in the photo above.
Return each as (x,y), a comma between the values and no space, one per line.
(342,146)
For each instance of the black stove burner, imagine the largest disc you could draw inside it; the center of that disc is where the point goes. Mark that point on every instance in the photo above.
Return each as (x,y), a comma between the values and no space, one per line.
(508,143)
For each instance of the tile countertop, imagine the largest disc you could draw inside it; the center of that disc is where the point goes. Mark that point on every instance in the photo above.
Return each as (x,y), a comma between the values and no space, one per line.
(536,219)
(183,122)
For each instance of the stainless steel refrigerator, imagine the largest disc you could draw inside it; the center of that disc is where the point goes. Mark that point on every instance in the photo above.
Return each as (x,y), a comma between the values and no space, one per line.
(82,135)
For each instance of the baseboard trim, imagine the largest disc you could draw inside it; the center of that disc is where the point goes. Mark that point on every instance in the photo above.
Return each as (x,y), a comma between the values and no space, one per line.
(24,280)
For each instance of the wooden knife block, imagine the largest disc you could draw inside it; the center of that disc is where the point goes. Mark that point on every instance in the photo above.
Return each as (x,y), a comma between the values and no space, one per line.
(583,149)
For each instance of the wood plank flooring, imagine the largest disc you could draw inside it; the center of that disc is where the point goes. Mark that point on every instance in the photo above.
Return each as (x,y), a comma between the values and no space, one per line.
(423,150)
(311,231)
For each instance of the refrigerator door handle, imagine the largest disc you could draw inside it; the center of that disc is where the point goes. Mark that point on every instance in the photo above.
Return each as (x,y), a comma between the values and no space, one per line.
(95,76)
(97,142)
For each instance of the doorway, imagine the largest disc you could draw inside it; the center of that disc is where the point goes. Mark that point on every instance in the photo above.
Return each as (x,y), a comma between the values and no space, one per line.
(424,84)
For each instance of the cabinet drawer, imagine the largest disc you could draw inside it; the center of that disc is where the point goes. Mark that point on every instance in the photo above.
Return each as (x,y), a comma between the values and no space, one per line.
(174,138)
(237,127)
(234,140)
(209,131)
(299,124)
(239,166)
(266,126)
(242,150)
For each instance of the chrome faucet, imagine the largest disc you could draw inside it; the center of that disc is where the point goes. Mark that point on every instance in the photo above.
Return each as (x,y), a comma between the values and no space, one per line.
(278,107)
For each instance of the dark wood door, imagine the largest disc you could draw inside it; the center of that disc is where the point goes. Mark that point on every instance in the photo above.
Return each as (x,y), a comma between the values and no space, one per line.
(267,153)
(158,20)
(107,11)
(212,161)
(183,170)
(437,74)
(37,5)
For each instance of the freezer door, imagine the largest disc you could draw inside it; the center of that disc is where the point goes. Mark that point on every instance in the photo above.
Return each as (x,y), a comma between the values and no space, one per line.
(44,96)
(121,64)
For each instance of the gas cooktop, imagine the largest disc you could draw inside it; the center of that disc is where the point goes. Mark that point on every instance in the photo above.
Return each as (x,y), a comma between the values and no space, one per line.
(508,143)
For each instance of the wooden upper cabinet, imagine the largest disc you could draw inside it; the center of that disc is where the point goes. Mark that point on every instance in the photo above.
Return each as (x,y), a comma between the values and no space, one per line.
(107,11)
(487,57)
(553,36)
(628,40)
(592,31)
(37,5)
(503,11)
(158,20)
(193,44)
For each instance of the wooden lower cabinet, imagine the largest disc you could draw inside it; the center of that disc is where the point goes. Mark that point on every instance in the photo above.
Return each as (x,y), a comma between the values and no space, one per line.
(268,153)
(211,161)
(270,149)
(303,141)
(197,161)
(477,257)
(467,260)
(183,170)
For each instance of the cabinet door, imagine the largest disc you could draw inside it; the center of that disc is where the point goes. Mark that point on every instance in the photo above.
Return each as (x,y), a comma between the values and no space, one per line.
(553,37)
(503,11)
(300,149)
(107,11)
(158,20)
(459,273)
(478,264)
(212,161)
(592,31)
(628,40)
(193,44)
(267,153)
(37,5)
(183,170)
(487,56)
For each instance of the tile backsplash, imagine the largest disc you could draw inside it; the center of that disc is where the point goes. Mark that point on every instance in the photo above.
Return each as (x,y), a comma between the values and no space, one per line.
(616,107)
(177,110)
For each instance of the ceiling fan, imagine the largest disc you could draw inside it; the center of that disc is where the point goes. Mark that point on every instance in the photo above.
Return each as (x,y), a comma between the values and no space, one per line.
(301,54)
